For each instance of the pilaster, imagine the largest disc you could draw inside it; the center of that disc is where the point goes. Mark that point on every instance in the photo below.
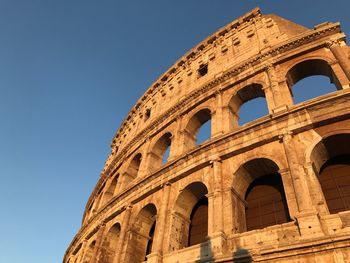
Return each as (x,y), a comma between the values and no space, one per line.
(159,236)
(307,216)
(123,235)
(217,236)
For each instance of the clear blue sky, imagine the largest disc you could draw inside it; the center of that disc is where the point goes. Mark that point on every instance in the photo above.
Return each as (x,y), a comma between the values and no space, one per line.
(70,70)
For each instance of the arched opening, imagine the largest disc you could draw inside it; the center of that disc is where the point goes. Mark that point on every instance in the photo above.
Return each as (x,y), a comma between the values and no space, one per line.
(204,132)
(331,162)
(247,105)
(133,169)
(150,241)
(190,217)
(89,252)
(160,152)
(199,222)
(265,203)
(310,79)
(110,190)
(141,240)
(147,114)
(110,243)
(198,129)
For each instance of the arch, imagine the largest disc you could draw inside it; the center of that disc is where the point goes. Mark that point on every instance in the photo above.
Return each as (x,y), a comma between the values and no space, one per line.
(190,217)
(111,189)
(198,230)
(157,154)
(247,104)
(140,243)
(193,127)
(133,169)
(88,255)
(110,243)
(310,71)
(330,160)
(261,186)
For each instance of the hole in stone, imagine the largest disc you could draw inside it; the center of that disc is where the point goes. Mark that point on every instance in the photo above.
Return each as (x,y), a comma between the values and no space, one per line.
(203,70)
(147,114)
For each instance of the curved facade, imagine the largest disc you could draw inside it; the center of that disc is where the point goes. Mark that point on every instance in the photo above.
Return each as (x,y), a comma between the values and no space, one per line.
(274,189)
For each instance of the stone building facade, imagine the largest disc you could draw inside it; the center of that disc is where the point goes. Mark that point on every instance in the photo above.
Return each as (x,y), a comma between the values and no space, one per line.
(276,189)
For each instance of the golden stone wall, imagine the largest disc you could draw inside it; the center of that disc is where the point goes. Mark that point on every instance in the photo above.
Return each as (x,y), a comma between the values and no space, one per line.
(254,56)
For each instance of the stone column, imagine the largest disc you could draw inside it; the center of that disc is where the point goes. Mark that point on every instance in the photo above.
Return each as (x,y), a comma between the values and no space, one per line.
(145,165)
(157,248)
(307,218)
(341,54)
(316,190)
(238,205)
(123,235)
(215,210)
(270,101)
(99,243)
(172,151)
(289,191)
(217,116)
(177,145)
(299,181)
(279,96)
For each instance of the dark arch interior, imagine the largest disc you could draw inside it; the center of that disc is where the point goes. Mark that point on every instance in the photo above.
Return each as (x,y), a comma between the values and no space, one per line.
(110,243)
(266,202)
(134,166)
(150,240)
(331,159)
(191,215)
(144,227)
(335,182)
(198,230)
(111,189)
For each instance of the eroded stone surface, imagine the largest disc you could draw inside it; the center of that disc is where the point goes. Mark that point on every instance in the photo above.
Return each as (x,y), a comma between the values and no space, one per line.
(142,207)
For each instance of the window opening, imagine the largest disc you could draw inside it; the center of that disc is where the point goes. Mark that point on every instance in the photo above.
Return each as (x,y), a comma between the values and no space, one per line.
(202,70)
(252,110)
(204,132)
(147,114)
(312,87)
(166,155)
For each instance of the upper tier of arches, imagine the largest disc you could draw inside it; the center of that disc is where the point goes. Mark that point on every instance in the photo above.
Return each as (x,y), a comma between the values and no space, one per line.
(226,53)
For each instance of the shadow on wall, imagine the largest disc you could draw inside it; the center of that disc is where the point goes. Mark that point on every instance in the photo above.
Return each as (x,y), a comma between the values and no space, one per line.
(242,255)
(206,254)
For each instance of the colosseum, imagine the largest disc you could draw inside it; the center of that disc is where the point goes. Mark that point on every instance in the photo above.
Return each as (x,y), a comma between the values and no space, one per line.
(274,189)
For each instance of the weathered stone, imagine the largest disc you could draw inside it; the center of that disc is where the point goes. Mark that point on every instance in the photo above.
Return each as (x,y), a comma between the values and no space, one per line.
(143,208)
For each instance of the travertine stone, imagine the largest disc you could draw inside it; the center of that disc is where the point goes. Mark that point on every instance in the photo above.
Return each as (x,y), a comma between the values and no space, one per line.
(142,209)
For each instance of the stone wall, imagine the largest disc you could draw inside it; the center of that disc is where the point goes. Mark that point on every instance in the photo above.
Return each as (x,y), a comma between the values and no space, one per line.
(254,56)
